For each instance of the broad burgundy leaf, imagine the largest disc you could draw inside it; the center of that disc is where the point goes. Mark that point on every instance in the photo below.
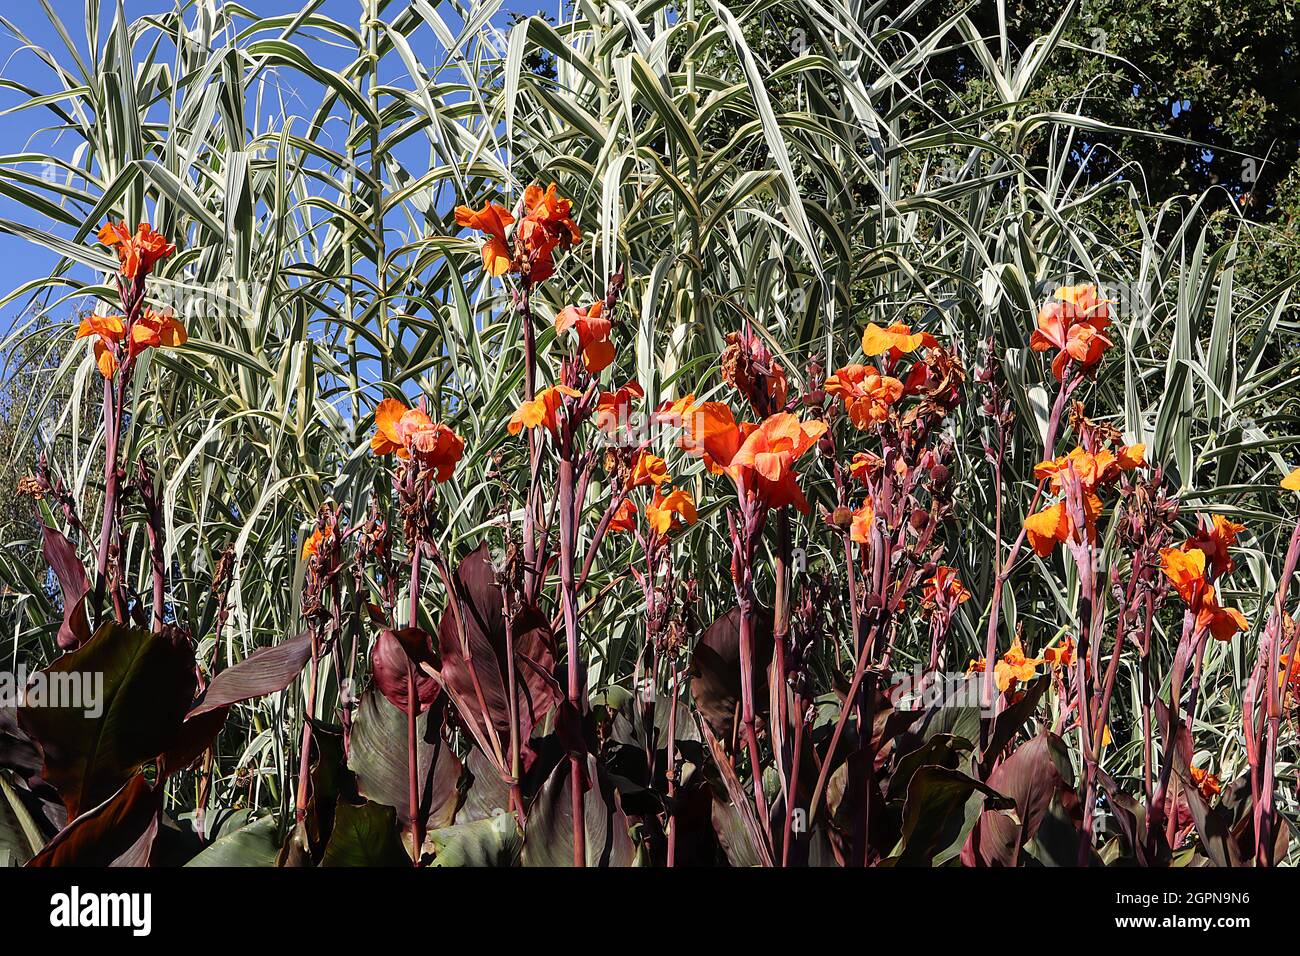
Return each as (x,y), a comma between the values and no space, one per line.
(118,832)
(1030,778)
(548,837)
(17,751)
(268,670)
(478,680)
(942,806)
(715,669)
(147,685)
(378,760)
(73,582)
(397,654)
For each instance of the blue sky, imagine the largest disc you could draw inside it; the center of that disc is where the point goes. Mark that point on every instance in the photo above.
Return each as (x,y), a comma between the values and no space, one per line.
(21,131)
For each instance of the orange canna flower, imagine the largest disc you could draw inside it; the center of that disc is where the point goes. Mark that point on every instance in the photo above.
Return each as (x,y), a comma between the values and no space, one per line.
(864,465)
(314,541)
(766,458)
(624,519)
(1205,782)
(1215,541)
(648,469)
(758,458)
(411,434)
(1092,471)
(593,334)
(108,331)
(977,665)
(542,410)
(860,528)
(156,330)
(1014,666)
(1062,654)
(545,226)
(944,586)
(137,253)
(1289,677)
(867,394)
(1089,469)
(491,219)
(1073,324)
(1053,525)
(614,409)
(668,512)
(1292,481)
(897,340)
(1185,569)
(675,412)
(152,329)
(1221,622)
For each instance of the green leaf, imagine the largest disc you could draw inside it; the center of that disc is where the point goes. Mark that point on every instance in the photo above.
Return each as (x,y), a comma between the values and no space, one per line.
(256,843)
(364,835)
(495,841)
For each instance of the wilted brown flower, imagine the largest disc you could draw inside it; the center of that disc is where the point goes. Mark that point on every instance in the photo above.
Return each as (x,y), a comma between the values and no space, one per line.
(749,366)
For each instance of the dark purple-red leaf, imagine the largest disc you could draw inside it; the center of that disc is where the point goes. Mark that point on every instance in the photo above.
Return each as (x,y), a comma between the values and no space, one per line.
(715,669)
(548,838)
(133,687)
(1030,778)
(267,670)
(118,832)
(71,573)
(477,680)
(378,760)
(396,658)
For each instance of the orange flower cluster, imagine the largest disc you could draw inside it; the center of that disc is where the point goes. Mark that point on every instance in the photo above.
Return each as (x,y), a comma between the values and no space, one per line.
(759,458)
(647,469)
(113,343)
(138,253)
(314,542)
(1062,654)
(1186,570)
(1207,783)
(896,341)
(624,519)
(1093,471)
(546,225)
(860,528)
(1014,666)
(1214,541)
(412,435)
(865,464)
(867,395)
(668,512)
(120,338)
(543,410)
(1073,324)
(593,334)
(867,392)
(614,408)
(1289,677)
(669,509)
(944,588)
